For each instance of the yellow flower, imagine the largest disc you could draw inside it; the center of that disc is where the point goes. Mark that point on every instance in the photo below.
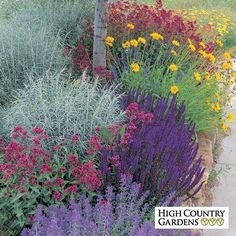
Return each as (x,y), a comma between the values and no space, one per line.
(130,26)
(135,67)
(219,43)
(207,76)
(218,76)
(109,41)
(211,57)
(173,67)
(216,107)
(142,40)
(134,43)
(156,36)
(192,47)
(218,96)
(203,53)
(226,65)
(234,75)
(230,117)
(197,76)
(225,127)
(175,43)
(173,52)
(126,44)
(190,41)
(174,89)
(203,45)
(227,56)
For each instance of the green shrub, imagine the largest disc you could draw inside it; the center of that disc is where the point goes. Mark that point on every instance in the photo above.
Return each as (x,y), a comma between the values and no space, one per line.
(32,41)
(62,108)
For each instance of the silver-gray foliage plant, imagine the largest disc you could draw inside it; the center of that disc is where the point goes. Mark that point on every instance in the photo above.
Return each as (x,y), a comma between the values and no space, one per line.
(62,108)
(31,41)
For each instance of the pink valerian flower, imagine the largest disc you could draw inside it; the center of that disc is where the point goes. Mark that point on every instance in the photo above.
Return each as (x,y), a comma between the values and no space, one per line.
(45,168)
(37,130)
(47,184)
(74,139)
(31,218)
(94,145)
(131,127)
(71,189)
(62,169)
(132,111)
(58,182)
(33,181)
(115,160)
(72,160)
(149,117)
(56,147)
(12,151)
(89,176)
(36,140)
(19,132)
(125,139)
(57,196)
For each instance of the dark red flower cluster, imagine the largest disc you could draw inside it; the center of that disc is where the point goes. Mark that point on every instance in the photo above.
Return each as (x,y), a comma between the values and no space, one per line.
(147,19)
(27,164)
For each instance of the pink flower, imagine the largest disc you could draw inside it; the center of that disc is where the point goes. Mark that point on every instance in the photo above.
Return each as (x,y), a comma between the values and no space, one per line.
(72,159)
(47,184)
(58,182)
(13,150)
(74,139)
(19,132)
(71,189)
(94,144)
(33,181)
(37,130)
(36,140)
(62,169)
(125,140)
(57,196)
(45,168)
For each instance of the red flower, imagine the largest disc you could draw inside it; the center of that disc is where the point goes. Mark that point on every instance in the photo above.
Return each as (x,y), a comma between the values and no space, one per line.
(62,169)
(73,160)
(56,196)
(58,182)
(71,189)
(94,144)
(37,130)
(45,168)
(74,139)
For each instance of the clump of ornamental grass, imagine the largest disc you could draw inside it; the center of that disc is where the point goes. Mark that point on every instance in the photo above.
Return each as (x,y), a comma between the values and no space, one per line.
(156,146)
(63,108)
(31,174)
(32,40)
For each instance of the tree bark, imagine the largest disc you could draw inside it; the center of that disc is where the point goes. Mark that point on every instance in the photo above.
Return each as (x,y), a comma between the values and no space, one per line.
(100,32)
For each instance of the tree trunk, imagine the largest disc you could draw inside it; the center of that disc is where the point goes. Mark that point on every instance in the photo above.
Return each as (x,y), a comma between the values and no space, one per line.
(100,32)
